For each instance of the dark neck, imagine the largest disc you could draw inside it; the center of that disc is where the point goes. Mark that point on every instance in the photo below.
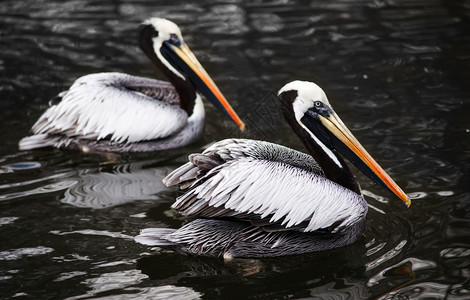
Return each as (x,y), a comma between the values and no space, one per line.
(339,174)
(184,88)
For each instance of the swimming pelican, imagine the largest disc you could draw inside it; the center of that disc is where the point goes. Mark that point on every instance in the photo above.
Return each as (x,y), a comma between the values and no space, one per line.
(258,199)
(121,113)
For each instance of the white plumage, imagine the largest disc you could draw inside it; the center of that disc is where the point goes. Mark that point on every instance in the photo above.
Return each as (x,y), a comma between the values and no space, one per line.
(102,106)
(122,113)
(258,199)
(292,196)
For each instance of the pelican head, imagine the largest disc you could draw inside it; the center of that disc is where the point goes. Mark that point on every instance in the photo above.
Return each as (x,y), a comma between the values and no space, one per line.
(313,112)
(163,43)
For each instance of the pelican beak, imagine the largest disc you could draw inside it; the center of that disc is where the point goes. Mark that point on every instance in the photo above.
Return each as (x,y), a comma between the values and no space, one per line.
(338,136)
(185,60)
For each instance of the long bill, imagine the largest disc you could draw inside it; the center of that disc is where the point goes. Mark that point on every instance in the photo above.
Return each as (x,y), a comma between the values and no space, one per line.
(344,141)
(185,60)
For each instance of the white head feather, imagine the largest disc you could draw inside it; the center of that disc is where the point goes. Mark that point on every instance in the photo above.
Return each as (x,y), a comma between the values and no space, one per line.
(307,93)
(165,29)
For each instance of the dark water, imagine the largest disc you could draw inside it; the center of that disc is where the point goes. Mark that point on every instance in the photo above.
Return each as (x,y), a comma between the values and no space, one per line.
(397,72)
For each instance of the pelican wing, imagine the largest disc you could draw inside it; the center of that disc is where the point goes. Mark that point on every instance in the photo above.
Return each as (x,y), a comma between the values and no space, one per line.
(272,193)
(117,106)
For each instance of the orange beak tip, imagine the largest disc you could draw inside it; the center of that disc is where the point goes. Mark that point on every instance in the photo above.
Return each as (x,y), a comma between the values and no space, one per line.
(407,201)
(242,126)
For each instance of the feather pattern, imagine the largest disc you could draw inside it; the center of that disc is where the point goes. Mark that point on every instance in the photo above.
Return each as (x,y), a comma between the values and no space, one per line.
(294,192)
(216,238)
(258,199)
(117,106)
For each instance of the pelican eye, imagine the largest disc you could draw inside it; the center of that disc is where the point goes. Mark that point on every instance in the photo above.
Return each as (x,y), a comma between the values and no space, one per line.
(321,108)
(318,104)
(174,39)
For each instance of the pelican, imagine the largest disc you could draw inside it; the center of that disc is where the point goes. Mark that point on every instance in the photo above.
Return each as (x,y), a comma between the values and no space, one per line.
(258,199)
(122,113)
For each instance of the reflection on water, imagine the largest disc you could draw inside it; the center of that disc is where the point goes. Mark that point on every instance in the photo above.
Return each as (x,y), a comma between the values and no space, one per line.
(128,183)
(396,72)
(303,276)
(112,281)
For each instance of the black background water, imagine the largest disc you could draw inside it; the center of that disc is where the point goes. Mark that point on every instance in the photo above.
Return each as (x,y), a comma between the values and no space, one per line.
(397,72)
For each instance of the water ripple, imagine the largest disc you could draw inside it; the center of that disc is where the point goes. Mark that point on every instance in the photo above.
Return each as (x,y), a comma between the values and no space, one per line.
(71,257)
(111,281)
(115,263)
(103,190)
(431,290)
(19,166)
(266,22)
(330,291)
(387,256)
(95,232)
(49,188)
(7,220)
(69,275)
(21,252)
(454,252)
(395,71)
(406,267)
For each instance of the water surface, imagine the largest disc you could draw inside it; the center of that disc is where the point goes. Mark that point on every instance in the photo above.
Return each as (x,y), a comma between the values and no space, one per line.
(397,72)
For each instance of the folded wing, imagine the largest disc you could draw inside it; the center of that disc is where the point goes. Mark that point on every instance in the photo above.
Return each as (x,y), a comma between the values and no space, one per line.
(115,106)
(238,182)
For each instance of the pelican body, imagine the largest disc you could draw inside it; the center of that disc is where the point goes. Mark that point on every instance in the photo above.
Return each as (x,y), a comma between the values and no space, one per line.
(121,113)
(258,199)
